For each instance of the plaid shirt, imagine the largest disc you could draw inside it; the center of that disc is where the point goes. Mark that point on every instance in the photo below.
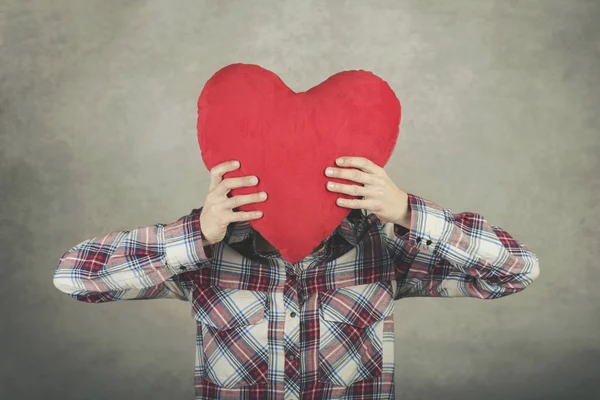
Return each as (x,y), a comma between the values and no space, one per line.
(321,328)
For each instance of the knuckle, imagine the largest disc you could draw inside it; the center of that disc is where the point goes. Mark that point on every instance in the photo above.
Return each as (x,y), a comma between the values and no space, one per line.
(216,172)
(245,199)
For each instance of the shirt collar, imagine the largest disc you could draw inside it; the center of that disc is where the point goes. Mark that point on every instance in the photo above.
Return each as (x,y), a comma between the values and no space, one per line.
(350,231)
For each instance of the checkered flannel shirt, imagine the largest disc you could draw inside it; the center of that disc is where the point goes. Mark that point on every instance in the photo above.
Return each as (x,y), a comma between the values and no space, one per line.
(321,328)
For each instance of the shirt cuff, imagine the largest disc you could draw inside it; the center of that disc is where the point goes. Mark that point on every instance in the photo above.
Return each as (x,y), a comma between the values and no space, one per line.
(184,247)
(429,223)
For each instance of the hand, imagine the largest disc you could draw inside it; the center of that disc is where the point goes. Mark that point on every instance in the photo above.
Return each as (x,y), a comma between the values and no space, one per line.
(379,194)
(217,212)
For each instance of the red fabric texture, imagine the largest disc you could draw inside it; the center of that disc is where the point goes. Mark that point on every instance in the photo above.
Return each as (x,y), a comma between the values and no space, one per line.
(287,139)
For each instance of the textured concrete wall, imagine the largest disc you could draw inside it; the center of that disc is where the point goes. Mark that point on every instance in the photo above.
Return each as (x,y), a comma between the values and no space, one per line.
(97,133)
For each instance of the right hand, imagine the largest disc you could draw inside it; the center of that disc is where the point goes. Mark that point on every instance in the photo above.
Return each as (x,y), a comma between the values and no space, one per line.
(217,212)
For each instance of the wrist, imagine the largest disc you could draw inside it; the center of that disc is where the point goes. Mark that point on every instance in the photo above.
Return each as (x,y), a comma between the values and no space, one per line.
(405,217)
(207,246)
(405,222)
(205,241)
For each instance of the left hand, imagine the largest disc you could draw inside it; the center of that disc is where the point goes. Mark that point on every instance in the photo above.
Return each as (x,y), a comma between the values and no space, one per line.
(379,193)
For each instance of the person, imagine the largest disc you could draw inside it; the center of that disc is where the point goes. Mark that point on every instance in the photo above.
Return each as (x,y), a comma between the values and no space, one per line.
(319,328)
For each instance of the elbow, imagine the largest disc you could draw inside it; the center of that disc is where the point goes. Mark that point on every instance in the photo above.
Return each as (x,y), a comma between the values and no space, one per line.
(69,281)
(519,282)
(62,282)
(535,269)
(75,281)
(63,277)
(85,296)
(532,272)
(62,285)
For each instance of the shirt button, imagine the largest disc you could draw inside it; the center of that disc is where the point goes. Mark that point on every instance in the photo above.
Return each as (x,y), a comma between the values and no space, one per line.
(292,357)
(428,242)
(418,240)
(293,314)
(182,268)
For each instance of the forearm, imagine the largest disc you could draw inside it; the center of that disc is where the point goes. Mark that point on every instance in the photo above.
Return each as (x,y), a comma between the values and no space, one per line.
(404,215)
(445,254)
(140,261)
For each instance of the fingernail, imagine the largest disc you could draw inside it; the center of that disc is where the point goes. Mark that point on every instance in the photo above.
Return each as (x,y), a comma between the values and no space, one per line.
(236,163)
(328,171)
(340,160)
(254,180)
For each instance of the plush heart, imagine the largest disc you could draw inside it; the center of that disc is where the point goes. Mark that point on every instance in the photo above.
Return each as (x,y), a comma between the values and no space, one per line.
(287,139)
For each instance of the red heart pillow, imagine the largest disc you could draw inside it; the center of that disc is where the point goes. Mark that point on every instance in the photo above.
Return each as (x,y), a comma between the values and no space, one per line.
(287,139)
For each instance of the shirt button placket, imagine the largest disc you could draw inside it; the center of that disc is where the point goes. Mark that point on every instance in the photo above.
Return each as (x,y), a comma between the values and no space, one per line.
(292,322)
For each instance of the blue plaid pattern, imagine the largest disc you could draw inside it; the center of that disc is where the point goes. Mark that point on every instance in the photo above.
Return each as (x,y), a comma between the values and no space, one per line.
(321,328)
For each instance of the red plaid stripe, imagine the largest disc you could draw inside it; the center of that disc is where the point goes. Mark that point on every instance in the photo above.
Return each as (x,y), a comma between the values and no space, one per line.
(341,296)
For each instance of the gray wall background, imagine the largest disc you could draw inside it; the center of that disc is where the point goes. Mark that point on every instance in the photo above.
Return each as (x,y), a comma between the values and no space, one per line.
(97,133)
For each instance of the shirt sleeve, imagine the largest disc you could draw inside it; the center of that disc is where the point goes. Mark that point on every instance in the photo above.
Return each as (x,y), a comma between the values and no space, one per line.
(145,263)
(456,255)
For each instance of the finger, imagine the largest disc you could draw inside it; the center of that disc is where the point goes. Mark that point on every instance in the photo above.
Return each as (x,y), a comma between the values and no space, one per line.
(350,174)
(217,172)
(245,216)
(362,163)
(352,190)
(228,184)
(355,204)
(241,200)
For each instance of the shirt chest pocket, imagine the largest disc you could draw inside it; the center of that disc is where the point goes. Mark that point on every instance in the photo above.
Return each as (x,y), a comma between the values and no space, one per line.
(351,332)
(234,335)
